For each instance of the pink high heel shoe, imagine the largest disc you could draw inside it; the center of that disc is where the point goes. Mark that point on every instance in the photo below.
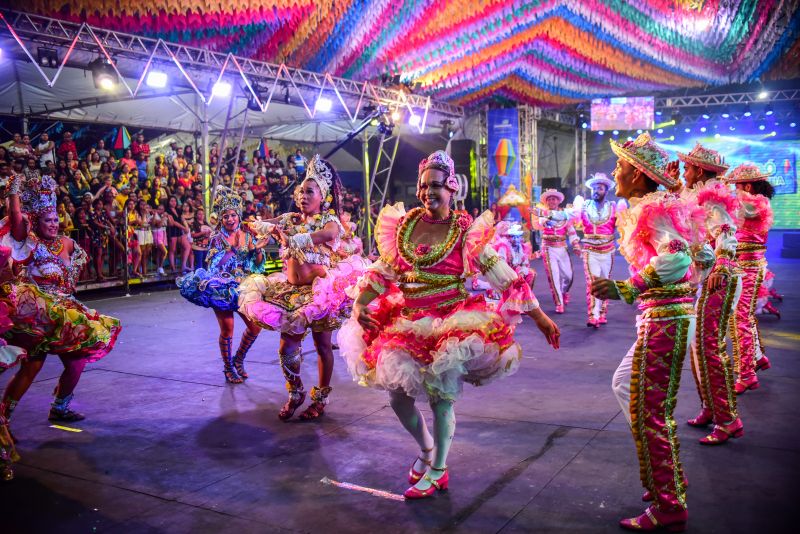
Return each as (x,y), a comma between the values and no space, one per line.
(743,385)
(652,520)
(763,364)
(723,433)
(439,484)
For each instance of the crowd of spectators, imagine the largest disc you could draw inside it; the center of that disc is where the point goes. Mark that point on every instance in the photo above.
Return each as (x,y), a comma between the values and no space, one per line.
(143,210)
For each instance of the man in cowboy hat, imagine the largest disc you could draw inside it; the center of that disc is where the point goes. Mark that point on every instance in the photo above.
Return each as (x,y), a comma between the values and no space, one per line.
(555,235)
(599,219)
(660,242)
(719,292)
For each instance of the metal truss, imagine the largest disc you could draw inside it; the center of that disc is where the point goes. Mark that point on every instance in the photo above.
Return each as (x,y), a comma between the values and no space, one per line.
(735,117)
(559,117)
(699,101)
(527,150)
(353,95)
(377,180)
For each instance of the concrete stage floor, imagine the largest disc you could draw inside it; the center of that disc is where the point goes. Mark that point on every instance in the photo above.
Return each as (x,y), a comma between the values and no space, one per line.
(168,447)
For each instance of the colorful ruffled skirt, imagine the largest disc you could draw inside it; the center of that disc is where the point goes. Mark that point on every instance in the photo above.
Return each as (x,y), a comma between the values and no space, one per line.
(217,290)
(273,303)
(48,323)
(431,352)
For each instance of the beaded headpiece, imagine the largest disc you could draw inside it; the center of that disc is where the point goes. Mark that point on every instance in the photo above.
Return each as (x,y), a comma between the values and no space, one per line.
(38,195)
(442,161)
(321,172)
(600,178)
(705,158)
(225,199)
(552,193)
(644,154)
(746,172)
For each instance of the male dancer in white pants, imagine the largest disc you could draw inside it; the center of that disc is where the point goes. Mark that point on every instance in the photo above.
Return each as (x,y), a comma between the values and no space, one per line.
(555,237)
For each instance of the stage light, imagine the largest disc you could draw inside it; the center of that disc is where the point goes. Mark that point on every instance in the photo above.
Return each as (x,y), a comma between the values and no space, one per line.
(762,95)
(600,132)
(726,113)
(792,124)
(221,89)
(701,24)
(630,138)
(584,125)
(103,74)
(323,104)
(395,115)
(769,110)
(706,115)
(731,127)
(676,117)
(615,132)
(747,111)
(671,137)
(716,136)
(762,127)
(660,130)
(156,79)
(658,112)
(48,57)
(638,131)
(687,130)
(414,119)
(374,122)
(703,129)
(773,133)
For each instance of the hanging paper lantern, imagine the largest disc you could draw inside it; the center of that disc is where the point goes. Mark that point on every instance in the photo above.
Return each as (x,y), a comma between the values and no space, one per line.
(122,139)
(504,156)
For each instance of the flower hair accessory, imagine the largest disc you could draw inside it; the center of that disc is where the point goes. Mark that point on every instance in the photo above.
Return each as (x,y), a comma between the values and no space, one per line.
(677,245)
(37,195)
(440,160)
(321,172)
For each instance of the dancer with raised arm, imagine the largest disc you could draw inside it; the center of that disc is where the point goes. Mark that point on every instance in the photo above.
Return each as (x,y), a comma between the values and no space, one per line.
(599,219)
(309,294)
(659,235)
(754,193)
(46,316)
(416,331)
(233,254)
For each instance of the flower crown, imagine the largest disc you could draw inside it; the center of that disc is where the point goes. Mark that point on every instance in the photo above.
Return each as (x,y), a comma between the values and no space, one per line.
(442,161)
(38,195)
(321,172)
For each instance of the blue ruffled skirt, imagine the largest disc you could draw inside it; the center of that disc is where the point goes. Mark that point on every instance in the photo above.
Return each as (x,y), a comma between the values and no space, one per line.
(217,290)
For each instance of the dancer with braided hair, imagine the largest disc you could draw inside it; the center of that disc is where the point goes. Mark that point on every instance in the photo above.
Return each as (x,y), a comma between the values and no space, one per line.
(233,253)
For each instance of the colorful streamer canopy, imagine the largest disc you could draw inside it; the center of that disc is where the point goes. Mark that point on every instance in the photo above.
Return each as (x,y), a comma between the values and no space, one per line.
(543,52)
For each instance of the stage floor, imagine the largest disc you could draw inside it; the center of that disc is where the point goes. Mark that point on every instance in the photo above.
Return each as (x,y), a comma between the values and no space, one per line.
(167,446)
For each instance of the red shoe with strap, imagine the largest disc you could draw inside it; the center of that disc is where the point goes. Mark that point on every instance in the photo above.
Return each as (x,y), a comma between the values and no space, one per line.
(416,476)
(439,484)
(723,433)
(763,364)
(652,520)
(704,418)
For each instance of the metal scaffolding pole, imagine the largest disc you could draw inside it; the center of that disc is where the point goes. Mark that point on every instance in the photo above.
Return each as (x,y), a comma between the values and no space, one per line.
(577,160)
(378,181)
(583,155)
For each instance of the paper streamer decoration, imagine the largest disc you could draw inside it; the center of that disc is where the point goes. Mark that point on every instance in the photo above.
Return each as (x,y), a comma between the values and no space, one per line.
(542,52)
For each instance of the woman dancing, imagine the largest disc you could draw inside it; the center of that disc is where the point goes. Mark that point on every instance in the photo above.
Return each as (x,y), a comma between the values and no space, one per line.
(233,253)
(310,292)
(46,317)
(416,331)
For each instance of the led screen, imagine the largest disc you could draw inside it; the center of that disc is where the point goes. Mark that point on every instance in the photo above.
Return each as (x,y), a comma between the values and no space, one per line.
(623,113)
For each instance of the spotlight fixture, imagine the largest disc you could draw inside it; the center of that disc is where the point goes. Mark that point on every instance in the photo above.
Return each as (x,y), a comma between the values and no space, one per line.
(747,111)
(48,57)
(156,79)
(716,136)
(676,117)
(658,113)
(630,138)
(706,114)
(584,125)
(103,74)
(374,122)
(447,128)
(792,125)
(600,132)
(638,131)
(726,113)
(323,104)
(687,130)
(762,127)
(395,115)
(732,127)
(385,128)
(660,130)
(769,110)
(615,132)
(221,89)
(414,119)
(763,95)
(703,129)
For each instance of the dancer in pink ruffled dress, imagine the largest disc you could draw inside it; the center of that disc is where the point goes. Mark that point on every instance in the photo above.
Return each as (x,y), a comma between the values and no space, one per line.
(416,331)
(309,294)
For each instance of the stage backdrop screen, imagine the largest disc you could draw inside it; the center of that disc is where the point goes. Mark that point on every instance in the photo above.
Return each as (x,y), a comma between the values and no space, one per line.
(623,113)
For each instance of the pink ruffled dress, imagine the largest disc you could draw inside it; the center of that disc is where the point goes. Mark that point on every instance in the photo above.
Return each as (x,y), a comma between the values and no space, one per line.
(275,304)
(433,334)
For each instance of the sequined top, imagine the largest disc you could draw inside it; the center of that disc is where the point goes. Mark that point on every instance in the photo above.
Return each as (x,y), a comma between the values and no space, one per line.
(324,254)
(238,262)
